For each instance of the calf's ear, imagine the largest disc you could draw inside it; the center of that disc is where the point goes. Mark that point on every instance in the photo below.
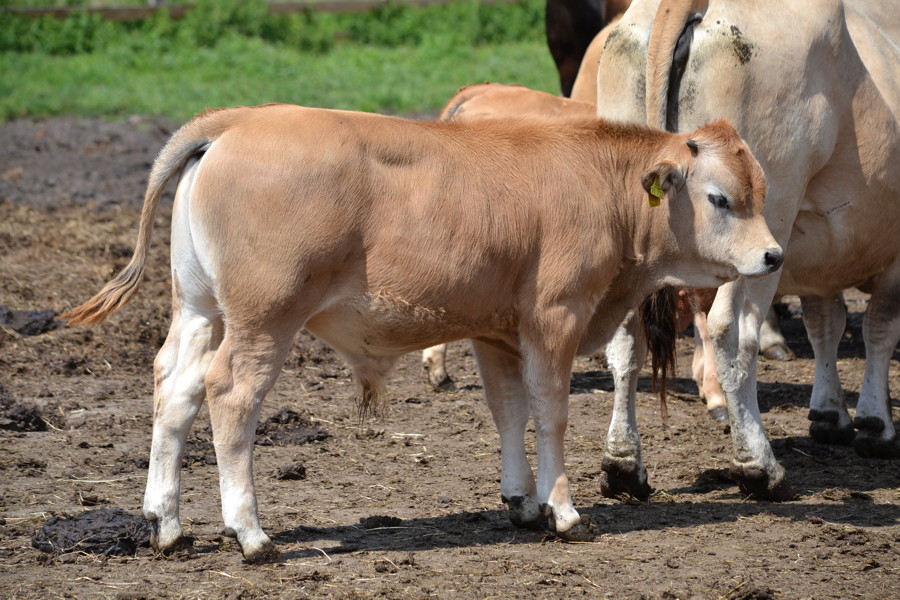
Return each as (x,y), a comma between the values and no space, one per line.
(669,175)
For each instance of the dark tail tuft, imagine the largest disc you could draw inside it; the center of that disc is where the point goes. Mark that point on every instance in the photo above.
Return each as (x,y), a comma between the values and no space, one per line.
(659,320)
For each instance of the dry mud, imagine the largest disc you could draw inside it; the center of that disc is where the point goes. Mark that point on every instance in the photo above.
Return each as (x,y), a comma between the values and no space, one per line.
(408,507)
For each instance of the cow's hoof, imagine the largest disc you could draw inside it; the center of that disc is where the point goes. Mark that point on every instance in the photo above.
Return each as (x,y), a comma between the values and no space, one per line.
(824,428)
(582,531)
(180,544)
(265,553)
(441,383)
(778,352)
(623,477)
(755,482)
(868,446)
(719,413)
(524,512)
(167,540)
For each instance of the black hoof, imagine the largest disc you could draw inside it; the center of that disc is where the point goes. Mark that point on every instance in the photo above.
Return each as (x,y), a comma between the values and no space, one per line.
(824,428)
(779,352)
(828,433)
(869,424)
(719,413)
(623,477)
(868,446)
(756,483)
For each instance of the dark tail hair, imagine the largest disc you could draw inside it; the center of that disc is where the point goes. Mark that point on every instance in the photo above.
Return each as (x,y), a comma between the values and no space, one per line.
(658,316)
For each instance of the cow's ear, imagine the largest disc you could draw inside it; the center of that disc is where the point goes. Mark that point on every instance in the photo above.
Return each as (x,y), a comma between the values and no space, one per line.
(669,175)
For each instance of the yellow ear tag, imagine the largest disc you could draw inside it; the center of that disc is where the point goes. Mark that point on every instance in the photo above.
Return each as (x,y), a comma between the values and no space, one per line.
(656,193)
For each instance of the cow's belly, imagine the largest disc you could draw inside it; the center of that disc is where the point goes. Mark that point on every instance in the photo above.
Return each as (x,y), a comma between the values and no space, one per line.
(833,252)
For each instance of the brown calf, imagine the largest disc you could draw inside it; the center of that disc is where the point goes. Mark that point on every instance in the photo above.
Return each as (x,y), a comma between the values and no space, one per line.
(382,236)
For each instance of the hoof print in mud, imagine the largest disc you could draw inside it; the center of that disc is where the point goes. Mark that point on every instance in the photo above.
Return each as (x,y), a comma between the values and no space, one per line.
(623,478)
(755,482)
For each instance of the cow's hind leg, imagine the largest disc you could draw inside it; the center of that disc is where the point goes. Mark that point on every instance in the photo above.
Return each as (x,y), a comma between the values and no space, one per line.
(244,369)
(704,370)
(877,437)
(434,361)
(771,341)
(508,401)
(179,372)
(622,466)
(825,318)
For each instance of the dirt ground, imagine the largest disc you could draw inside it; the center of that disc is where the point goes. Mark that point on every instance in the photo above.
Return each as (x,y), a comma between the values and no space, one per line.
(408,507)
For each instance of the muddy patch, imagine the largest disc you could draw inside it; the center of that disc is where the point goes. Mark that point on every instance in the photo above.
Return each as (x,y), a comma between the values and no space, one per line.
(102,531)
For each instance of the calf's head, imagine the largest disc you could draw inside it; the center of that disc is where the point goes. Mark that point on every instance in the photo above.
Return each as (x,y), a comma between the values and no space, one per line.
(716,189)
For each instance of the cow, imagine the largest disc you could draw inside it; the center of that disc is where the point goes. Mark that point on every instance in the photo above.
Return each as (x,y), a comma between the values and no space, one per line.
(381,236)
(570,27)
(772,343)
(490,100)
(815,89)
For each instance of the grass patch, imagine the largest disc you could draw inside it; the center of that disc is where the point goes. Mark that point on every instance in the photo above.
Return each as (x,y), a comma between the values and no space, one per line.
(246,71)
(393,60)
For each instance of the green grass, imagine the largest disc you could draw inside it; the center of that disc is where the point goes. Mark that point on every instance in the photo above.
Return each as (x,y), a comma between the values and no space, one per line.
(247,71)
(397,60)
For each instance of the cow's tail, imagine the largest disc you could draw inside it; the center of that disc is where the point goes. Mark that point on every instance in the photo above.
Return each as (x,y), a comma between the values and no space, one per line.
(191,140)
(667,54)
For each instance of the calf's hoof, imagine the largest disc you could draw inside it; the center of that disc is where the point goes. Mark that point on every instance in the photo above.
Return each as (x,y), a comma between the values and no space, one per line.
(582,531)
(167,540)
(264,553)
(824,428)
(524,512)
(778,352)
(621,477)
(185,542)
(754,481)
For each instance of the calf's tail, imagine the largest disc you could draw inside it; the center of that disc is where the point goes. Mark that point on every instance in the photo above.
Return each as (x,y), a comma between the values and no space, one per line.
(191,140)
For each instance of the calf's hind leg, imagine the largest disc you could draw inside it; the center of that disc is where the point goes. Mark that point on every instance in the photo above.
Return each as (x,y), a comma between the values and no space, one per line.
(548,349)
(244,369)
(507,399)
(179,372)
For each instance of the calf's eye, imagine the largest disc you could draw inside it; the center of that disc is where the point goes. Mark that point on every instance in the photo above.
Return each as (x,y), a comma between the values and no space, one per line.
(718,200)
